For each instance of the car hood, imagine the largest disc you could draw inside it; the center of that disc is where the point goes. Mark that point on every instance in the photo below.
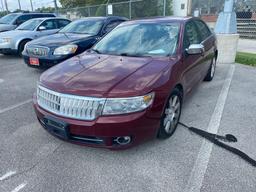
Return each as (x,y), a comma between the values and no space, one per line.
(6,27)
(59,39)
(104,75)
(17,34)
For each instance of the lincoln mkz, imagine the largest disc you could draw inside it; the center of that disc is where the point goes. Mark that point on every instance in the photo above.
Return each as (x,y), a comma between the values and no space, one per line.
(130,86)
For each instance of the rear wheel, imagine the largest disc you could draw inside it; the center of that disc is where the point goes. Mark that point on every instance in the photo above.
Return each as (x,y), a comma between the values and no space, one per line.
(21,47)
(171,115)
(211,71)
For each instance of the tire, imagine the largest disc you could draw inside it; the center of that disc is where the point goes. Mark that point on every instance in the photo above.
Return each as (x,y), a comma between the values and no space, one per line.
(211,71)
(21,47)
(171,115)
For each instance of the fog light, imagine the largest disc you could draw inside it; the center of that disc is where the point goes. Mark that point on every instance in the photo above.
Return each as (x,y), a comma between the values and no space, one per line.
(123,140)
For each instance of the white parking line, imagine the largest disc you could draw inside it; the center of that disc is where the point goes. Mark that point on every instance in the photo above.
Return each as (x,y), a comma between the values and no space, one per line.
(15,106)
(198,172)
(8,174)
(21,186)
(1,80)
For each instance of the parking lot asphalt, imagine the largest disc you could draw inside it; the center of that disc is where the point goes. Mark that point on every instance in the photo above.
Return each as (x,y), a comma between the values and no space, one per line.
(31,160)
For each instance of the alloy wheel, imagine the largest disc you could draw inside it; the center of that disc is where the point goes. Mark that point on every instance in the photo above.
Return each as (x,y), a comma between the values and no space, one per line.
(172,113)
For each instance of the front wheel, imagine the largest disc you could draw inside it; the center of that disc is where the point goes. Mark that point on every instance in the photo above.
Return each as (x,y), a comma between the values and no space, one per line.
(21,47)
(211,71)
(171,115)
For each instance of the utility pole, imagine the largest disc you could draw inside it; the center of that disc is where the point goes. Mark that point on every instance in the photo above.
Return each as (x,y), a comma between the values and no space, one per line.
(19,4)
(2,3)
(31,3)
(55,5)
(130,9)
(164,8)
(6,6)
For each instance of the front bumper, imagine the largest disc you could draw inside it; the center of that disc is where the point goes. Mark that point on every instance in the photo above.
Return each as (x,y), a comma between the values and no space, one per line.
(6,48)
(103,131)
(45,62)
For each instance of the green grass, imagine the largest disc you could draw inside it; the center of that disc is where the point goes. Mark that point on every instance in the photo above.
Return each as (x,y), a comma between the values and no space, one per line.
(246,58)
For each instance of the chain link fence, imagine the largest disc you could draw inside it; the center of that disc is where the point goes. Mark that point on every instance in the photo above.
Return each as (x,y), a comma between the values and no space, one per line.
(245,10)
(131,9)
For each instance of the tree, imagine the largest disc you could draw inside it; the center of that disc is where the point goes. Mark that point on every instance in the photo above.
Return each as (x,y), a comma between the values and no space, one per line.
(80,3)
(143,8)
(46,9)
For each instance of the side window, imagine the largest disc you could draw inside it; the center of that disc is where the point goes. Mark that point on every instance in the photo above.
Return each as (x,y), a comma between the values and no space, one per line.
(49,24)
(110,26)
(191,35)
(205,32)
(21,19)
(62,23)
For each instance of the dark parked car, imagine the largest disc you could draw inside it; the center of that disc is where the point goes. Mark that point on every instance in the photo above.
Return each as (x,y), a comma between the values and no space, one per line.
(13,20)
(13,42)
(130,86)
(74,39)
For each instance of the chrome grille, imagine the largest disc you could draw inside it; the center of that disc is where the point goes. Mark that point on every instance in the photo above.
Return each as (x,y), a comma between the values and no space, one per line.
(77,107)
(38,51)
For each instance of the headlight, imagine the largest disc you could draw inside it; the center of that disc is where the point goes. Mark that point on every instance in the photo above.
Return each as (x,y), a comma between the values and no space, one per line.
(116,106)
(65,50)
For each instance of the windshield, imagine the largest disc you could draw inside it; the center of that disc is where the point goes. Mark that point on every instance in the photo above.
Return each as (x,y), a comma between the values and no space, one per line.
(91,27)
(30,25)
(147,39)
(8,19)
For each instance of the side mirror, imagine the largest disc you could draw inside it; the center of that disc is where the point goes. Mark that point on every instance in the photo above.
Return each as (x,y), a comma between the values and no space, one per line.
(41,28)
(195,49)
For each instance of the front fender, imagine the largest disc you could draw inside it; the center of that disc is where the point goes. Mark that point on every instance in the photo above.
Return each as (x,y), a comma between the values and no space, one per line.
(18,41)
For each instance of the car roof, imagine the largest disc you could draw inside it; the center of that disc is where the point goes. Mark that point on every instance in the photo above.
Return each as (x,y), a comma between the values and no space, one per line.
(34,13)
(48,18)
(104,18)
(160,20)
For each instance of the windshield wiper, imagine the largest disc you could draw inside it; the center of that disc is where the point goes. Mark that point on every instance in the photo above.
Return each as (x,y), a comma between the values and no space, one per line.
(95,50)
(131,55)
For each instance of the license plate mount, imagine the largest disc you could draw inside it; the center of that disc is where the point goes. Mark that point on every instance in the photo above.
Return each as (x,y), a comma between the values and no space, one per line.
(56,127)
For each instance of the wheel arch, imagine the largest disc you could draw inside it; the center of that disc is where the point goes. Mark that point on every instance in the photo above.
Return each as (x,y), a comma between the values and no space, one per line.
(22,40)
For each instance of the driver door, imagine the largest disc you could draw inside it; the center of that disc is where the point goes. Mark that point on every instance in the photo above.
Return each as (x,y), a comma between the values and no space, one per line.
(192,63)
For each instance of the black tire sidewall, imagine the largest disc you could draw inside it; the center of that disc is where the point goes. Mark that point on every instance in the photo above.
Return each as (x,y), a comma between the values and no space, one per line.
(22,46)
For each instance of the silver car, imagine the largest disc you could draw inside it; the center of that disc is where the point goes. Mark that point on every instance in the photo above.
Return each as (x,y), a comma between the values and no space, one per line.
(13,20)
(13,42)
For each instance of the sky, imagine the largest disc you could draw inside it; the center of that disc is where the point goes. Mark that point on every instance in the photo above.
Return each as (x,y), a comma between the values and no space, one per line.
(25,4)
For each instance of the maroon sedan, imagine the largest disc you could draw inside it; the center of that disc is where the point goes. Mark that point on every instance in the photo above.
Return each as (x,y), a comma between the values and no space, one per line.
(130,86)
